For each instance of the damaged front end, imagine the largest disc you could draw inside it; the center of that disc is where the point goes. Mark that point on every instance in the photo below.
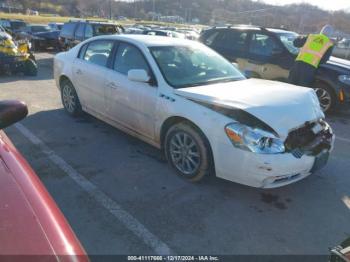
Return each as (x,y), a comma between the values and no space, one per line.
(312,139)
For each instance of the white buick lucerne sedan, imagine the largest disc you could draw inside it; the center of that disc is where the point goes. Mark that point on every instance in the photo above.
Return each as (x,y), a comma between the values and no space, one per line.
(187,100)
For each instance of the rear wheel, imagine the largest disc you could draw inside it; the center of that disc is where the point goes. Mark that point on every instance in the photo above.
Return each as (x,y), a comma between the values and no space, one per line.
(188,152)
(326,96)
(70,98)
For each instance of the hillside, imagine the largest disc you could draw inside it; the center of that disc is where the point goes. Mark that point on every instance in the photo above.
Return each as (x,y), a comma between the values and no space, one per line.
(302,18)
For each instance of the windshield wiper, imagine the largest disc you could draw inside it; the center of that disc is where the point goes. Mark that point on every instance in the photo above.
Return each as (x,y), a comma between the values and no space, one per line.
(211,82)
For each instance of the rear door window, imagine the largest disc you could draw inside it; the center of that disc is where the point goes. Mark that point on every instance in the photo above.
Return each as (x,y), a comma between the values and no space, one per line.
(262,45)
(16,25)
(98,52)
(68,30)
(210,38)
(82,51)
(79,33)
(231,40)
(5,24)
(88,31)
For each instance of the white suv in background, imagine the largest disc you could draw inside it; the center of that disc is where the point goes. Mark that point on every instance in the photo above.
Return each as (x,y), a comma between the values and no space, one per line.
(183,97)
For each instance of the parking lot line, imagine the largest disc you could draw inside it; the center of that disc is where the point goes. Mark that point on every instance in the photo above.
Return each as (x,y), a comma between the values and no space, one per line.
(343,139)
(114,208)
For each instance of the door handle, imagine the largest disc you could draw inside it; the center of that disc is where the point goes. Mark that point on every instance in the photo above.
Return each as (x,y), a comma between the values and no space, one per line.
(112,85)
(79,72)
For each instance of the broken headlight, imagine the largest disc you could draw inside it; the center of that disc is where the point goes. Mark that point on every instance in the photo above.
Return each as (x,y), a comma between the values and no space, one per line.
(254,140)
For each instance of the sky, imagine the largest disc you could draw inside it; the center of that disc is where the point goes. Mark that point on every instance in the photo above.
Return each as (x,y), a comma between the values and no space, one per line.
(324,4)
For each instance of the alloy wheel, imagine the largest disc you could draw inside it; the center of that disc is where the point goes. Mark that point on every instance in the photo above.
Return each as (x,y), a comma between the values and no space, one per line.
(68,97)
(184,153)
(325,98)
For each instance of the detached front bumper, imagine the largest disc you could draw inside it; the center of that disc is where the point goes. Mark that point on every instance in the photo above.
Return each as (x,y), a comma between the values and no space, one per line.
(276,170)
(261,171)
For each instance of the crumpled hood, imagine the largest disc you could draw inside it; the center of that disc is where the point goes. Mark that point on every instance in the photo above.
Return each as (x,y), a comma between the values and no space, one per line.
(282,106)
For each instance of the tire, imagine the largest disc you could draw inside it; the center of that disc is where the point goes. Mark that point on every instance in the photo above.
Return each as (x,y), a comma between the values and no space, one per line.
(70,99)
(179,156)
(326,96)
(30,68)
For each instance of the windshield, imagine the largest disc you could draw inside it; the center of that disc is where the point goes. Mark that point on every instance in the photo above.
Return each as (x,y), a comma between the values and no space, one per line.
(184,66)
(37,29)
(288,39)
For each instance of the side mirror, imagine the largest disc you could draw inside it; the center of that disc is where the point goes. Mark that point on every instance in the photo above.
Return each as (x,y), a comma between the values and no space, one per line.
(11,111)
(138,75)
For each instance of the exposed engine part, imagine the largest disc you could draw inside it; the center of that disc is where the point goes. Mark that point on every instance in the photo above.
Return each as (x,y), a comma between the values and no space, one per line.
(311,139)
(239,115)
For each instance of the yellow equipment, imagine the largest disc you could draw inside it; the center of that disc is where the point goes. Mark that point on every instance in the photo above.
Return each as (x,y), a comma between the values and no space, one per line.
(16,57)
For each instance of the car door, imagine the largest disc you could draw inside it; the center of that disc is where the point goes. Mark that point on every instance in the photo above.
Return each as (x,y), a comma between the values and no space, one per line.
(267,58)
(89,32)
(89,71)
(132,104)
(231,44)
(79,34)
(67,35)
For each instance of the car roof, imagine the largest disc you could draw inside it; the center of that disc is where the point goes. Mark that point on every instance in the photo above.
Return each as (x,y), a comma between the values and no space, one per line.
(41,25)
(149,41)
(252,28)
(92,22)
(276,30)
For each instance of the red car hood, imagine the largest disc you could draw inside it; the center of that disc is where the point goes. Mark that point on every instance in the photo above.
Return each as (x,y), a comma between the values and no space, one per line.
(30,221)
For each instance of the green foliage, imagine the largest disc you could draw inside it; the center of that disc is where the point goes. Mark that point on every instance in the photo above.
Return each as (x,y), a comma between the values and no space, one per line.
(303,18)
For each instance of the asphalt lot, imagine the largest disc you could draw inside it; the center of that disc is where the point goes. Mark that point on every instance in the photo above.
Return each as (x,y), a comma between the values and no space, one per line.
(139,206)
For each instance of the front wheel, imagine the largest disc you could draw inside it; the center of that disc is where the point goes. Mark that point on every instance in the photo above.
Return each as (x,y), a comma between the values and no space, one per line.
(325,96)
(187,150)
(70,99)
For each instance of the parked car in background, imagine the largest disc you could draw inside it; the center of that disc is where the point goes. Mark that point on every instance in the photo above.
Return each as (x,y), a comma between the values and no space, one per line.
(198,107)
(270,53)
(344,43)
(74,32)
(31,223)
(41,37)
(189,34)
(13,26)
(4,33)
(342,49)
(161,32)
(56,26)
(158,32)
(341,253)
(133,30)
(178,35)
